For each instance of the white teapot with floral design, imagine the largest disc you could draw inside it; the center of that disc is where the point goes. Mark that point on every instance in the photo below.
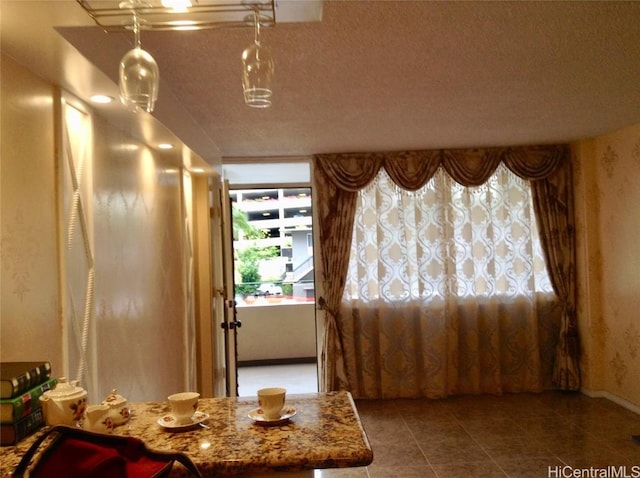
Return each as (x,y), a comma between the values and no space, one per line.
(64,404)
(97,419)
(119,411)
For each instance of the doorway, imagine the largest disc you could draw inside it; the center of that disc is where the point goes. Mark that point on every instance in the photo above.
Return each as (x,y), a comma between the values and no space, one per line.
(274,289)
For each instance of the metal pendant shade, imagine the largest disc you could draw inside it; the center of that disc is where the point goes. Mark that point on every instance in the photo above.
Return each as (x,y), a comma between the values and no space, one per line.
(257,72)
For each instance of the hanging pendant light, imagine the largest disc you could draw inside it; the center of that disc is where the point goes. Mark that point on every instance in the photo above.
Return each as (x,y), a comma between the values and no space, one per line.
(257,71)
(139,75)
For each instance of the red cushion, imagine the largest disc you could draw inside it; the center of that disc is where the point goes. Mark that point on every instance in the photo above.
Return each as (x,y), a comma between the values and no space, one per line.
(82,459)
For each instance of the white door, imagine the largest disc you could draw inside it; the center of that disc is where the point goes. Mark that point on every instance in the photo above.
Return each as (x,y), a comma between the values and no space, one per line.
(218,294)
(224,292)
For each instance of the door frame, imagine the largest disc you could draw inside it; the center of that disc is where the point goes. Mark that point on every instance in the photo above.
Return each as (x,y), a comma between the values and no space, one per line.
(205,275)
(242,313)
(230,322)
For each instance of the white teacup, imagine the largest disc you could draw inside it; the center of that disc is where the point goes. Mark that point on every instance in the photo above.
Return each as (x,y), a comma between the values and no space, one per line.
(271,400)
(183,406)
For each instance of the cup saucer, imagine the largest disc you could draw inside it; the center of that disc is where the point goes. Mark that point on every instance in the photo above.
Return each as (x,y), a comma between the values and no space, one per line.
(257,415)
(169,422)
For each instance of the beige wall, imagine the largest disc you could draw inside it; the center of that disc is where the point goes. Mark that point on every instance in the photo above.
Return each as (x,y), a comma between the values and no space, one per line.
(608,214)
(142,335)
(29,308)
(141,309)
(276,332)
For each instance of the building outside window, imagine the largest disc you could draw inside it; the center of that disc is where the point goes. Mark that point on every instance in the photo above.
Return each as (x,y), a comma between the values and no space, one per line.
(273,245)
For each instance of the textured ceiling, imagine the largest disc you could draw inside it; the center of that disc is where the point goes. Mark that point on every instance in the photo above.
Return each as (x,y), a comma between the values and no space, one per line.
(386,75)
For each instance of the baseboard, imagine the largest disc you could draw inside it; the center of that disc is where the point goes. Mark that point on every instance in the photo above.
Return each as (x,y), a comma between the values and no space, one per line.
(284,361)
(610,396)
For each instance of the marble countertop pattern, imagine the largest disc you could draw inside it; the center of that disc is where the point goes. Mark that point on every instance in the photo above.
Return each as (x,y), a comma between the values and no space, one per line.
(325,432)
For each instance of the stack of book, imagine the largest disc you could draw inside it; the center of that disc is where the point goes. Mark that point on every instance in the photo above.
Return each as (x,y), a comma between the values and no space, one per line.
(21,385)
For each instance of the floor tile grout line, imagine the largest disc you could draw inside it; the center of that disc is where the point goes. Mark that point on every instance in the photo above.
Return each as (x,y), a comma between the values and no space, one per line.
(481,447)
(413,436)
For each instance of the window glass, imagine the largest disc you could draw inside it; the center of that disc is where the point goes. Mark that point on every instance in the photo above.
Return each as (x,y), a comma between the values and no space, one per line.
(272,246)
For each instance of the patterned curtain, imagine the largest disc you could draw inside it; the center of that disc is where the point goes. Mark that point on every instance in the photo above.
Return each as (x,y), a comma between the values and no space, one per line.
(555,213)
(337,179)
(336,210)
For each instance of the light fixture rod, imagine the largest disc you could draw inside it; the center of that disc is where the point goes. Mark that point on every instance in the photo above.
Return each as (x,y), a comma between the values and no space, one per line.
(136,30)
(256,19)
(204,15)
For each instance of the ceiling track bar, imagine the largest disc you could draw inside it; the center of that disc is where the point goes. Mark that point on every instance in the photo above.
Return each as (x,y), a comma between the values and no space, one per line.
(197,17)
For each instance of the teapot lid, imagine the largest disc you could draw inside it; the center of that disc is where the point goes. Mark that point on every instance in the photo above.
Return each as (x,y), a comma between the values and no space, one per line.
(114,399)
(65,389)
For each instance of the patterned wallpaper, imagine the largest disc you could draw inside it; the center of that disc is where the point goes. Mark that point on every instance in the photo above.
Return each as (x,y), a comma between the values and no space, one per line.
(29,307)
(609,247)
(141,267)
(140,342)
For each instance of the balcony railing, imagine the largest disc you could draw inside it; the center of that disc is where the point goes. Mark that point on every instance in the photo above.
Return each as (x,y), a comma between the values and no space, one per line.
(265,293)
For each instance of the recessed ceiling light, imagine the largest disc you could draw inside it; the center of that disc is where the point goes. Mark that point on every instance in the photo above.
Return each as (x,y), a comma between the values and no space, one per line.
(184,25)
(127,147)
(198,170)
(177,5)
(165,146)
(102,99)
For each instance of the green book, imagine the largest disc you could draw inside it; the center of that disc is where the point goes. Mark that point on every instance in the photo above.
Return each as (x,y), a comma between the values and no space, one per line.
(19,377)
(13,409)
(12,433)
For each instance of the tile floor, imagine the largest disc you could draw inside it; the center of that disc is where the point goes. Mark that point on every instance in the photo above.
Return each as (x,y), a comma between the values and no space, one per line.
(549,435)
(520,435)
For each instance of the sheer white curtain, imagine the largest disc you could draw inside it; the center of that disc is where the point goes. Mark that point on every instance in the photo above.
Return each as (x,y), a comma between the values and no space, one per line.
(447,290)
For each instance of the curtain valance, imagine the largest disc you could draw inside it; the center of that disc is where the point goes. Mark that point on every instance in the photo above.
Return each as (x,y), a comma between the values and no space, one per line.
(413,169)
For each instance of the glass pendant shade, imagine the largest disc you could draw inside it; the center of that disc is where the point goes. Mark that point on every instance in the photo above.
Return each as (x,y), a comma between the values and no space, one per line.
(138,75)
(257,75)
(139,79)
(257,70)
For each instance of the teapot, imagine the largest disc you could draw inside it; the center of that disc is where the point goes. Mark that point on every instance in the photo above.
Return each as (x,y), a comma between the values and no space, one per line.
(118,408)
(97,419)
(64,404)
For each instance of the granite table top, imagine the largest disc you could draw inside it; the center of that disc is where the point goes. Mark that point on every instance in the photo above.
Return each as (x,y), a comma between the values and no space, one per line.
(324,432)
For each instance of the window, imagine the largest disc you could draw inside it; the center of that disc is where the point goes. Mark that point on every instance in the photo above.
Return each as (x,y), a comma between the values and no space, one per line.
(445,240)
(274,256)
